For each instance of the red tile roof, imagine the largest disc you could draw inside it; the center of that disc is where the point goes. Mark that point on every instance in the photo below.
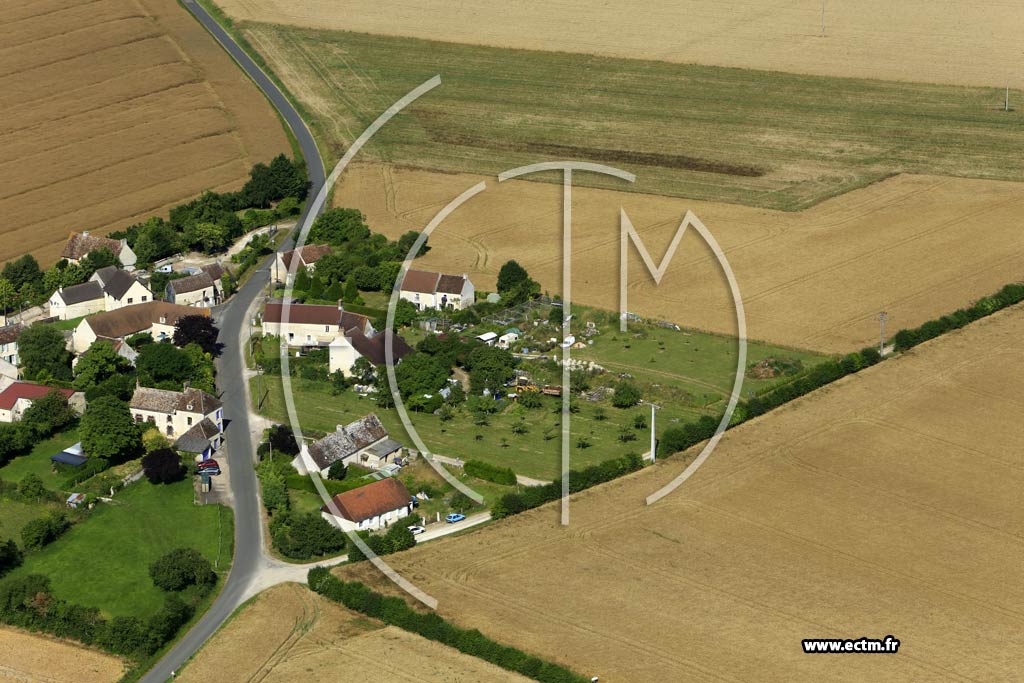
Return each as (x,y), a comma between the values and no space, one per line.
(26,390)
(422,281)
(81,243)
(308,255)
(316,314)
(371,500)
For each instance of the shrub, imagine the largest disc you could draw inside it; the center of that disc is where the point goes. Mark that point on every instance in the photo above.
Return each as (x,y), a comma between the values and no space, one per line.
(626,395)
(337,470)
(489,472)
(10,556)
(303,537)
(163,466)
(181,568)
(40,532)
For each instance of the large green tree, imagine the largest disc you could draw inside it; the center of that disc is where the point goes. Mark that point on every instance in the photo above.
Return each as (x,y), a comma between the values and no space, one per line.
(8,295)
(489,368)
(99,363)
(44,354)
(198,329)
(164,365)
(49,414)
(511,276)
(419,373)
(108,431)
(338,226)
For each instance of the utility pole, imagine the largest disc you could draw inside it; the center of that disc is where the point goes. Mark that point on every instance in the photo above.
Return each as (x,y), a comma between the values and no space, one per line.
(653,432)
(1006,105)
(881,331)
(822,18)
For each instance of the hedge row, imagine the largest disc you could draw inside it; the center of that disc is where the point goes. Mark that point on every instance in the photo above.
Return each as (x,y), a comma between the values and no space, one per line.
(489,472)
(302,482)
(28,602)
(680,437)
(535,496)
(395,611)
(1007,296)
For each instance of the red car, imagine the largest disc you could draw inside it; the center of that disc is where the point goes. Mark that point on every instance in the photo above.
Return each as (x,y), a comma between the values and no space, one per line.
(208,464)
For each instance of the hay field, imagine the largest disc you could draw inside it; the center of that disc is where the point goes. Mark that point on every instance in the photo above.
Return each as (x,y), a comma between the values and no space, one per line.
(915,246)
(776,140)
(31,658)
(888,503)
(302,636)
(954,41)
(112,111)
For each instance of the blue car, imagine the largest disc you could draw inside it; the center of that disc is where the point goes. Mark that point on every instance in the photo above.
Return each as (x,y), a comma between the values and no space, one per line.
(454,517)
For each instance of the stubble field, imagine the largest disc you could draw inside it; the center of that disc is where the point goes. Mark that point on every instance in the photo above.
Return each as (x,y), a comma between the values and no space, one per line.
(955,41)
(914,246)
(115,110)
(887,503)
(303,636)
(30,658)
(759,138)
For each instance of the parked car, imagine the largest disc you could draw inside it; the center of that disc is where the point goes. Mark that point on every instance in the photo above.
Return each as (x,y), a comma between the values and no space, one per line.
(212,471)
(454,517)
(207,464)
(416,529)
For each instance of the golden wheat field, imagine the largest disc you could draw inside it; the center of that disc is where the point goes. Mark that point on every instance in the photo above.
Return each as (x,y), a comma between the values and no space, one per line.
(885,504)
(953,41)
(915,246)
(30,658)
(114,110)
(290,633)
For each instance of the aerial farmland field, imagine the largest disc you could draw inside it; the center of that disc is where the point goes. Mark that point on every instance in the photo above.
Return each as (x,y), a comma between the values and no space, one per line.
(28,657)
(915,246)
(113,111)
(303,636)
(770,139)
(915,40)
(886,504)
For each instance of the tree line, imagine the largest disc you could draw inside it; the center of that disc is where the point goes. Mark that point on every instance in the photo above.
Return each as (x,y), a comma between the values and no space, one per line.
(432,626)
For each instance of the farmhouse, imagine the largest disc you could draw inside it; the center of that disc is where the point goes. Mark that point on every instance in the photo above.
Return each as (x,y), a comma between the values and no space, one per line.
(311,324)
(108,289)
(195,290)
(9,343)
(17,397)
(193,417)
(80,244)
(350,444)
(370,507)
(427,289)
(155,317)
(307,257)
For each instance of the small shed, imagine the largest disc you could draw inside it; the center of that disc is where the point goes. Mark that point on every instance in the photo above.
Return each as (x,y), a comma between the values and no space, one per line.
(75,499)
(487,338)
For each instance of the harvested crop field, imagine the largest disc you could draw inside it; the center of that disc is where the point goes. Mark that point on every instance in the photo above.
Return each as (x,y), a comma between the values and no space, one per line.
(760,138)
(303,636)
(115,110)
(887,503)
(916,40)
(915,246)
(30,658)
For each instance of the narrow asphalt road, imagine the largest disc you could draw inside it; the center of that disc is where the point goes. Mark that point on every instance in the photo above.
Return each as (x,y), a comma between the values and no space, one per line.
(231,382)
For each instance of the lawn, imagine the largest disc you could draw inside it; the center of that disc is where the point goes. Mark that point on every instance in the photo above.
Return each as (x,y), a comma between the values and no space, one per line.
(67,325)
(103,561)
(535,453)
(767,139)
(38,461)
(15,514)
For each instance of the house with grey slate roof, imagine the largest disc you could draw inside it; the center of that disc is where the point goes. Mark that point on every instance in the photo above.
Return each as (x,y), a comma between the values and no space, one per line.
(364,442)
(108,289)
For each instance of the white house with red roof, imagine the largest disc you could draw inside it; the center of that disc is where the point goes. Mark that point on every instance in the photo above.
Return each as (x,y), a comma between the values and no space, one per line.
(19,396)
(374,506)
(427,289)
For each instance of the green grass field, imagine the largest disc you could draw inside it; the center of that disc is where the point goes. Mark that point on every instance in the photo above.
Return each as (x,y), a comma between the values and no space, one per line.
(104,561)
(766,139)
(38,461)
